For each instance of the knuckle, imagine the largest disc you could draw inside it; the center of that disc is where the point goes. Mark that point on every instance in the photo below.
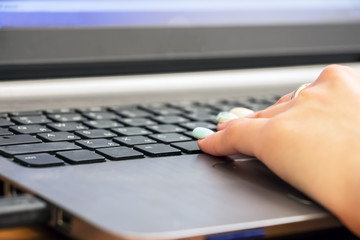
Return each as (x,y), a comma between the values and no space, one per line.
(332,73)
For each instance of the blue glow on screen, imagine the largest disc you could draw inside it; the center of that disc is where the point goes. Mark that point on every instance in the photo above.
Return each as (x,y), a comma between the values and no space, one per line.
(160,13)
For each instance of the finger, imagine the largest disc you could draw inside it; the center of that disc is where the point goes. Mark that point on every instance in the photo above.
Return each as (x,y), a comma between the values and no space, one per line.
(289,96)
(240,136)
(284,98)
(271,111)
(235,113)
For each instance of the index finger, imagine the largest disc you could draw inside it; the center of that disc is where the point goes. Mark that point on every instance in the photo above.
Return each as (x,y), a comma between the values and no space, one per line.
(239,136)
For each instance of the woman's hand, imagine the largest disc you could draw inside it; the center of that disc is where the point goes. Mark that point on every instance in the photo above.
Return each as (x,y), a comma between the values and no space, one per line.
(311,141)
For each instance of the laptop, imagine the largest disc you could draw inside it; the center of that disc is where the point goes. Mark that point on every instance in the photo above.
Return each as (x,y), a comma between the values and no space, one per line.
(98,100)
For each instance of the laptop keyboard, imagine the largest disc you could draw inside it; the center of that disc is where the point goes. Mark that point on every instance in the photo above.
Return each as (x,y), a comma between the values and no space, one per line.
(60,137)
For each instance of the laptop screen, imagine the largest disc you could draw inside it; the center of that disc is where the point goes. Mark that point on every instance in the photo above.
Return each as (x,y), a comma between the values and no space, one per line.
(48,38)
(127,13)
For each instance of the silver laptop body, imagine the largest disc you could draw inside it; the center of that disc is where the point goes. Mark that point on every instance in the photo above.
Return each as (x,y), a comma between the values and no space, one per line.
(189,196)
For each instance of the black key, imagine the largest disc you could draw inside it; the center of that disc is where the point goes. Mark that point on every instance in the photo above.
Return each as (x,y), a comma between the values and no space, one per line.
(201,116)
(165,128)
(198,109)
(133,113)
(96,143)
(137,122)
(211,102)
(157,150)
(80,157)
(226,107)
(103,124)
(38,160)
(170,119)
(3,115)
(192,125)
(189,134)
(25,113)
(5,123)
(4,132)
(29,129)
(134,140)
(17,139)
(67,127)
(165,111)
(30,120)
(58,136)
(91,109)
(37,148)
(151,106)
(59,111)
(100,115)
(66,117)
(120,153)
(187,147)
(170,137)
(95,133)
(131,131)
(183,104)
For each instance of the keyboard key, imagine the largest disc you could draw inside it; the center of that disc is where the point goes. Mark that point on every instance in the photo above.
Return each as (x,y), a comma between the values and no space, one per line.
(131,131)
(25,113)
(91,109)
(227,107)
(170,137)
(187,147)
(193,125)
(3,115)
(149,106)
(67,127)
(95,133)
(183,104)
(37,148)
(137,122)
(5,123)
(66,117)
(157,150)
(189,134)
(30,120)
(17,139)
(101,115)
(134,140)
(133,113)
(170,119)
(29,129)
(59,111)
(58,136)
(38,160)
(165,111)
(93,144)
(120,153)
(103,124)
(4,132)
(201,116)
(165,128)
(80,157)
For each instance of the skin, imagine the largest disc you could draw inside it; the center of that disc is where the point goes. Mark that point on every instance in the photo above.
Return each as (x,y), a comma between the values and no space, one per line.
(312,141)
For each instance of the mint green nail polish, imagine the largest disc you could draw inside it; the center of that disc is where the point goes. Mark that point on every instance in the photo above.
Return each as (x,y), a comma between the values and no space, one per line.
(201,132)
(225,117)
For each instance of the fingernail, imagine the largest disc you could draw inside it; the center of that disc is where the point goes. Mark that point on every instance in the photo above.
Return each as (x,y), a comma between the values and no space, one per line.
(225,117)
(241,112)
(201,132)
